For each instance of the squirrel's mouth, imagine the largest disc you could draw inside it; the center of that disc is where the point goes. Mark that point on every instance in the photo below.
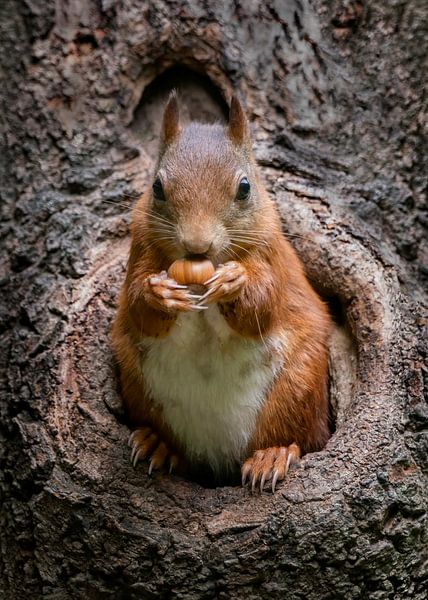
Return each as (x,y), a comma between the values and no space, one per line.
(197,256)
(215,259)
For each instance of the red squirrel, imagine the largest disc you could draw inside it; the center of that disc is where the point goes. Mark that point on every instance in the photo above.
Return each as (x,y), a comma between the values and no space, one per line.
(234,375)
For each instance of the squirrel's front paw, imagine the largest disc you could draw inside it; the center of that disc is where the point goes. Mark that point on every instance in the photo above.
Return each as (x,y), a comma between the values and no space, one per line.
(165,294)
(226,283)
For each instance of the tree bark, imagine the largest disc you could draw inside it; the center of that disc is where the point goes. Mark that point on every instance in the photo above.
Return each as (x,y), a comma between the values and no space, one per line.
(334,91)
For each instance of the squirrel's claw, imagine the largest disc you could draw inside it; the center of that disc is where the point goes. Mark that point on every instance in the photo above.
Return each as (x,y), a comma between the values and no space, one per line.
(178,286)
(226,283)
(173,462)
(276,474)
(270,463)
(207,294)
(246,469)
(263,480)
(163,293)
(144,442)
(212,279)
(159,457)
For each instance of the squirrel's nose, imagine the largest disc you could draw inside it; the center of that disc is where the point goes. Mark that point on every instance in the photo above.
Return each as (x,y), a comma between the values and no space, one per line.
(197,246)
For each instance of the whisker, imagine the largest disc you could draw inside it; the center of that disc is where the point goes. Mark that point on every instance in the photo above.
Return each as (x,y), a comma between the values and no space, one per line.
(151,212)
(129,197)
(119,204)
(240,247)
(164,238)
(260,332)
(154,216)
(149,245)
(296,235)
(244,239)
(252,242)
(162,227)
(254,234)
(154,242)
(246,231)
(159,224)
(235,254)
(249,236)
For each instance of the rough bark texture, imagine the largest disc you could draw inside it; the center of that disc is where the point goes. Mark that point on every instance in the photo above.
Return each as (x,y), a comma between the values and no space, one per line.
(335,94)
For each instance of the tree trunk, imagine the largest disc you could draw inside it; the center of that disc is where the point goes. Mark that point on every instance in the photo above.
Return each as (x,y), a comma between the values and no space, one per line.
(334,93)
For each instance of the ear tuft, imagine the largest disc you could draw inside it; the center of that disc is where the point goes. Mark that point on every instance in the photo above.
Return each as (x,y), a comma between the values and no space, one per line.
(238,124)
(171,119)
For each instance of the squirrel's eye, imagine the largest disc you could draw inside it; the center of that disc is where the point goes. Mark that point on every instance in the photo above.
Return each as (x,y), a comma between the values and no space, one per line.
(243,189)
(157,188)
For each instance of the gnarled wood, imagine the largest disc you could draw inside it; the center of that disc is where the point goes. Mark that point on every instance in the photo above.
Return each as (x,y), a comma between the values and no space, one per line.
(333,91)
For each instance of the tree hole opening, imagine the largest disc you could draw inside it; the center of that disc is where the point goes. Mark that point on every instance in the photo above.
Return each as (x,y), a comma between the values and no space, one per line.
(200,100)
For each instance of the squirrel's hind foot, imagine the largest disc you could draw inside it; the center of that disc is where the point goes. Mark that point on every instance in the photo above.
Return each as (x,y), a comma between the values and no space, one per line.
(269,464)
(144,442)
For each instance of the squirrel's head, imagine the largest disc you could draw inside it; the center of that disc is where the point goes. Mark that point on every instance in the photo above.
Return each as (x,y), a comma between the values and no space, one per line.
(206,198)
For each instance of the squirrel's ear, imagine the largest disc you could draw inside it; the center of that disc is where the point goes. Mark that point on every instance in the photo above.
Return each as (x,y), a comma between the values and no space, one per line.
(239,131)
(171,119)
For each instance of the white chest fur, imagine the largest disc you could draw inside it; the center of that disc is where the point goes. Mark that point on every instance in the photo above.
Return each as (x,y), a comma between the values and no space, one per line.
(211,383)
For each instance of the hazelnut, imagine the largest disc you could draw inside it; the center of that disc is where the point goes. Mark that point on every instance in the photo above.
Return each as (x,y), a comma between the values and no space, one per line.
(191,271)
